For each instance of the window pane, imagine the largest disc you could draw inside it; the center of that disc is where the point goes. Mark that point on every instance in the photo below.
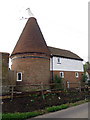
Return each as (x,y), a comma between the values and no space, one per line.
(19,76)
(62,74)
(76,74)
(58,60)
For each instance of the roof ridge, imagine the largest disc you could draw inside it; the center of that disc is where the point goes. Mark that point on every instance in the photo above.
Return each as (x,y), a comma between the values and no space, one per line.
(61,49)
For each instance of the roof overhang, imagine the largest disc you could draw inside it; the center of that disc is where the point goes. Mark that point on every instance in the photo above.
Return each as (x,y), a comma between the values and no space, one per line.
(65,57)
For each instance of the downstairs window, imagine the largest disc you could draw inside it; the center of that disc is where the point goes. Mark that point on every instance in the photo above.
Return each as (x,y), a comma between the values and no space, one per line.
(19,76)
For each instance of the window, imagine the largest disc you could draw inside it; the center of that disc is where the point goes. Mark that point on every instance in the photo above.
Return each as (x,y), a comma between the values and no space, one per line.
(58,60)
(67,84)
(62,74)
(76,74)
(19,76)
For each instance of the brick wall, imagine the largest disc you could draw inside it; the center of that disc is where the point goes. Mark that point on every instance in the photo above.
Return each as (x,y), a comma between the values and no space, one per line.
(5,67)
(68,76)
(35,68)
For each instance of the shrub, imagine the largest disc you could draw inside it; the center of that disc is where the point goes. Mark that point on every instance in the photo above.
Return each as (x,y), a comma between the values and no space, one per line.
(53,94)
(56,108)
(86,100)
(84,78)
(18,116)
(58,81)
(53,109)
(47,95)
(35,95)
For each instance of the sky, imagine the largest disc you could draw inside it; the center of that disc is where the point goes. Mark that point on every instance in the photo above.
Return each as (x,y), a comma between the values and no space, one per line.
(64,23)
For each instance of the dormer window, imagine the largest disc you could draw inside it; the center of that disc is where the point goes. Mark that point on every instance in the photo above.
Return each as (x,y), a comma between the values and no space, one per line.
(58,60)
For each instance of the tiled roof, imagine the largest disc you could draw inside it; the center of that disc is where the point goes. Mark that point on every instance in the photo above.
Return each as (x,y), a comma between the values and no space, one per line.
(31,40)
(63,53)
(4,53)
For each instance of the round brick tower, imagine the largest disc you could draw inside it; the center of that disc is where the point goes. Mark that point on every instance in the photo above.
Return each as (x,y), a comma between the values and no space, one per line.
(30,57)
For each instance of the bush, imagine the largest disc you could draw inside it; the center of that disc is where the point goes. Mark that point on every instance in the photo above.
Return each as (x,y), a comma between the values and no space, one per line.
(86,100)
(84,78)
(18,116)
(56,108)
(58,81)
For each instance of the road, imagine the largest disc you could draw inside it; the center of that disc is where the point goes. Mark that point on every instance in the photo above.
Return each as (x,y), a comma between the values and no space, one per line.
(80,111)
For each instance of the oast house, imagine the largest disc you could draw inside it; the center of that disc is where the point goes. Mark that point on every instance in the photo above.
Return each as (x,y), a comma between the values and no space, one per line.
(36,63)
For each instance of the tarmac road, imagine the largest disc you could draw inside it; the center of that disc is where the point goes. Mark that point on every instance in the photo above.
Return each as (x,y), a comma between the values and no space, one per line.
(80,111)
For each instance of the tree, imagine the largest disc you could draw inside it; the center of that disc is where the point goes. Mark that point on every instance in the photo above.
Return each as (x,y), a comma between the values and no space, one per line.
(86,66)
(58,81)
(84,78)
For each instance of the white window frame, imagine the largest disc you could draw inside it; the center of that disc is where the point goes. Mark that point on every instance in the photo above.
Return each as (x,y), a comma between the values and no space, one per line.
(76,75)
(59,62)
(67,84)
(62,74)
(17,76)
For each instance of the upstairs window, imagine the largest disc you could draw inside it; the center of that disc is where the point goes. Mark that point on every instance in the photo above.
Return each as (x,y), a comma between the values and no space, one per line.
(58,60)
(76,74)
(62,74)
(19,76)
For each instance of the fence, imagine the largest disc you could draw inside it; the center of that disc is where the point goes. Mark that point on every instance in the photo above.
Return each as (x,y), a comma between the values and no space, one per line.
(15,89)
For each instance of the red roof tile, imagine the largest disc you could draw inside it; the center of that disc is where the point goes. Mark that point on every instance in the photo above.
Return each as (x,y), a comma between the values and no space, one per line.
(31,39)
(64,53)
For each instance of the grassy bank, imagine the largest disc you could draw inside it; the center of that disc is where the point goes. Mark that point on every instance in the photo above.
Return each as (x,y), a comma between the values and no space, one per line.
(23,116)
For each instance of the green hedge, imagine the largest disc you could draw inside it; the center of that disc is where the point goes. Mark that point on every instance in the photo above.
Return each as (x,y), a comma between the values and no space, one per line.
(19,116)
(56,108)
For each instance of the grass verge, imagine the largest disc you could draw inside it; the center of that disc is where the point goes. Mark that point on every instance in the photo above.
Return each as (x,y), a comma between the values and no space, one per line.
(23,116)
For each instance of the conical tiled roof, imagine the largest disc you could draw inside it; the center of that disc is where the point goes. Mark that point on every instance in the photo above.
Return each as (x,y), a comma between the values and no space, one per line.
(31,40)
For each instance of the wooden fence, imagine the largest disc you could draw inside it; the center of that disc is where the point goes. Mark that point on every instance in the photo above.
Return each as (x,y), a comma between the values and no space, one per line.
(15,89)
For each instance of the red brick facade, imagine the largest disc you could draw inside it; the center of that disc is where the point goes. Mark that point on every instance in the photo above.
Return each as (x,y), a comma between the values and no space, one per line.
(35,68)
(31,55)
(68,76)
(5,67)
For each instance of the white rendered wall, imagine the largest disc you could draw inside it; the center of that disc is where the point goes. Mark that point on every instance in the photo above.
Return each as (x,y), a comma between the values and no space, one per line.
(66,65)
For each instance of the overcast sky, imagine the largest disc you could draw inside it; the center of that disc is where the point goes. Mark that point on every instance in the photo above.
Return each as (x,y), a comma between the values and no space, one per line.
(64,23)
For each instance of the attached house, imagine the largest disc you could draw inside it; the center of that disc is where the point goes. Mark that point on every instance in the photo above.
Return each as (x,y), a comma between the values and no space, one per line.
(65,64)
(36,63)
